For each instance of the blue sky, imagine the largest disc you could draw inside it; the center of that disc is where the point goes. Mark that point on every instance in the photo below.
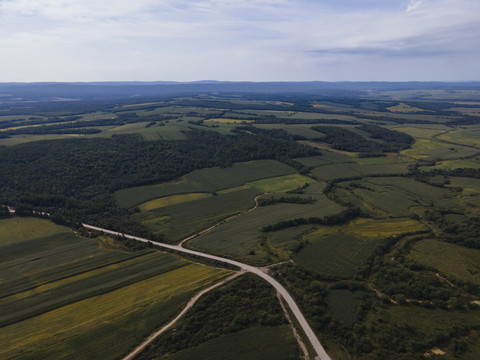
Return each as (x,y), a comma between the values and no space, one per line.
(242,40)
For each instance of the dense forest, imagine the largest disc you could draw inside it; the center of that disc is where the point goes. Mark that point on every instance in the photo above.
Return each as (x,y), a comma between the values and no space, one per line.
(78,175)
(343,139)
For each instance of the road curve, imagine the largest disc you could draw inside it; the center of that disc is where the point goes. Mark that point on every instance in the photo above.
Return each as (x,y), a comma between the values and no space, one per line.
(322,355)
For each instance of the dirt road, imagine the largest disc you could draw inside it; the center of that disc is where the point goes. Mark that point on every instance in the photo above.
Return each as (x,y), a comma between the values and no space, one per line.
(192,301)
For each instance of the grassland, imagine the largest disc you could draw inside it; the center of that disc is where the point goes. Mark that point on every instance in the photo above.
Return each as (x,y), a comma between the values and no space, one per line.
(339,250)
(18,229)
(453,164)
(427,149)
(281,183)
(205,180)
(345,171)
(394,196)
(265,342)
(470,187)
(422,132)
(449,259)
(464,136)
(171,200)
(404,108)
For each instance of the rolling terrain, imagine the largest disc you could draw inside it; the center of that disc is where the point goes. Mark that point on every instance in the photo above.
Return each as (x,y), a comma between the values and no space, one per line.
(361,201)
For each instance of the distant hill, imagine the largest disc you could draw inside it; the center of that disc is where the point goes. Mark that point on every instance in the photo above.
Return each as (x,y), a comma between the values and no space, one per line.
(21,92)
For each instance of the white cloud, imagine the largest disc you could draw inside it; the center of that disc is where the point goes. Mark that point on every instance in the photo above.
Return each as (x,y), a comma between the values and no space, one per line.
(414,5)
(243,39)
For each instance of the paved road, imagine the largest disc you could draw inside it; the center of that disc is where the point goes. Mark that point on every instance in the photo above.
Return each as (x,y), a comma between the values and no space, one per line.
(322,355)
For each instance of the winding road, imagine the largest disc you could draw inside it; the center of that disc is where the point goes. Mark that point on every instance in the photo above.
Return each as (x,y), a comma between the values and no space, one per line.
(322,355)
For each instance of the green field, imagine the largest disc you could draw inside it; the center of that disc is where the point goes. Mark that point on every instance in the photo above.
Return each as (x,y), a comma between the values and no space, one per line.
(240,236)
(350,170)
(257,343)
(178,221)
(335,171)
(61,292)
(340,250)
(205,180)
(450,259)
(394,196)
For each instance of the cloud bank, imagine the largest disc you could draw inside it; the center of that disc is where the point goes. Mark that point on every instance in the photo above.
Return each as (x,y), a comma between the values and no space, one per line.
(256,40)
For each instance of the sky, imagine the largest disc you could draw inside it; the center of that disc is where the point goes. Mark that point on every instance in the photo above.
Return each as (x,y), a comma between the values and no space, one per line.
(239,40)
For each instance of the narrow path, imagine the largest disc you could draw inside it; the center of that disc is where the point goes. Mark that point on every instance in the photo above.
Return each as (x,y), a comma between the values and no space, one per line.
(322,355)
(221,222)
(192,301)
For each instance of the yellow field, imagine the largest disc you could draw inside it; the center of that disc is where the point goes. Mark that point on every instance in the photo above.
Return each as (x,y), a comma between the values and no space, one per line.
(281,183)
(422,148)
(372,228)
(470,186)
(171,200)
(233,189)
(327,147)
(65,323)
(465,137)
(404,108)
(89,274)
(453,164)
(417,132)
(227,121)
(17,229)
(389,159)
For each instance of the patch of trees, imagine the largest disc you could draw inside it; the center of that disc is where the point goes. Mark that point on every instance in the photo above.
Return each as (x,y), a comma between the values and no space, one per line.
(4,213)
(271,119)
(285,199)
(396,139)
(244,303)
(471,120)
(343,139)
(401,279)
(335,219)
(465,233)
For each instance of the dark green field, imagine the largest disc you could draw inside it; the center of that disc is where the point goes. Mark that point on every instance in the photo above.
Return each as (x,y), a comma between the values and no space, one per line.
(178,221)
(205,180)
(241,235)
(263,343)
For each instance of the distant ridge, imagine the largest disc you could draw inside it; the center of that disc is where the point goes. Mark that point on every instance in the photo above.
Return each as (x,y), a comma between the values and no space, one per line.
(107,90)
